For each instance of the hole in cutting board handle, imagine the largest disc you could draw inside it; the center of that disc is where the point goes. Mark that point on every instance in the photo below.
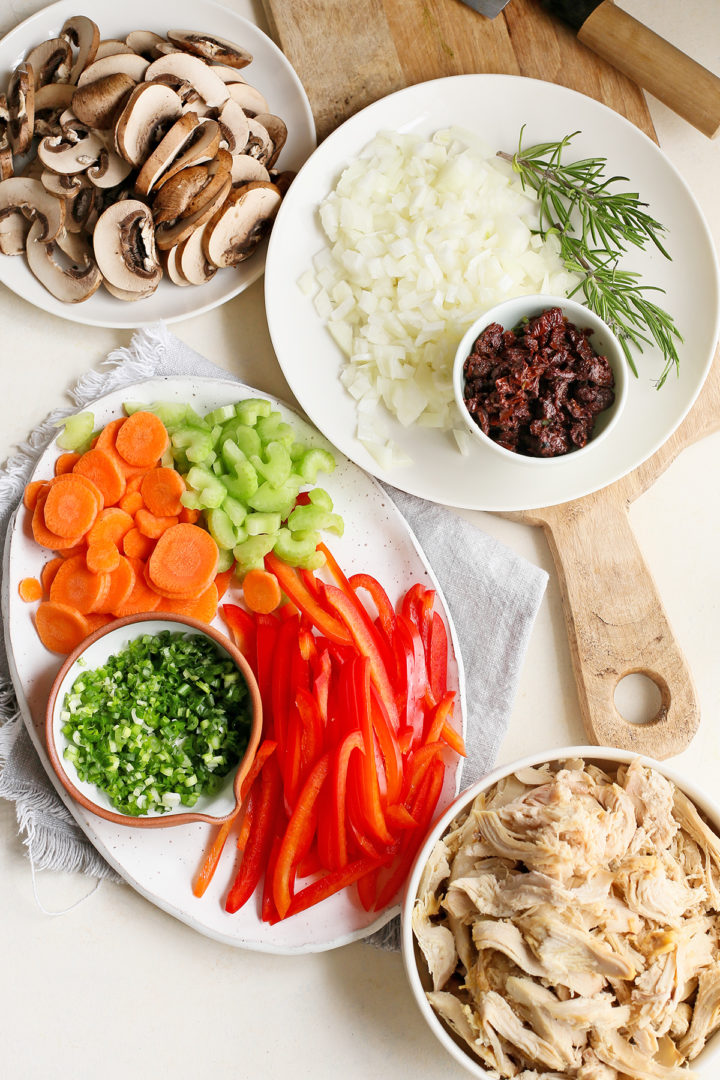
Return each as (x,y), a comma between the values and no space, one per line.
(638,698)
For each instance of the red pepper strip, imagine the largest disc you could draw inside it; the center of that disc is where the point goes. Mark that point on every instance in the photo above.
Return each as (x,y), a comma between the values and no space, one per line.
(417,766)
(422,809)
(440,715)
(437,659)
(381,639)
(370,804)
(310,864)
(292,758)
(366,642)
(222,580)
(385,610)
(303,599)
(331,884)
(306,643)
(337,847)
(213,856)
(242,630)
(399,817)
(295,840)
(267,628)
(260,839)
(321,683)
(407,639)
(281,693)
(454,739)
(312,727)
(245,827)
(287,610)
(362,843)
(310,582)
(367,888)
(411,606)
(405,739)
(268,912)
(426,619)
(389,747)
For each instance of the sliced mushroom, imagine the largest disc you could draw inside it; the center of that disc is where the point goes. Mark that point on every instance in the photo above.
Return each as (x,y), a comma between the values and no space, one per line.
(246,169)
(228,74)
(185,91)
(237,228)
(150,111)
(82,208)
(203,145)
(145,43)
(98,103)
(282,180)
(63,185)
(19,194)
(177,140)
(248,98)
(173,199)
(124,244)
(51,61)
(14,227)
(191,261)
(211,48)
(191,69)
(167,235)
(50,101)
(7,168)
(259,144)
(111,47)
(127,63)
(83,34)
(233,126)
(128,294)
(276,129)
(110,169)
(169,264)
(73,151)
(21,108)
(65,278)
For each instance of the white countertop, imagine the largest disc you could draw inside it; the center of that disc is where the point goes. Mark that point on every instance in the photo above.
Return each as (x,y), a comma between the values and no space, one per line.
(115,988)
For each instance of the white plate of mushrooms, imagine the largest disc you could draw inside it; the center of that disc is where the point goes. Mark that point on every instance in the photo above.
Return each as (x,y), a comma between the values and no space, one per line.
(144,153)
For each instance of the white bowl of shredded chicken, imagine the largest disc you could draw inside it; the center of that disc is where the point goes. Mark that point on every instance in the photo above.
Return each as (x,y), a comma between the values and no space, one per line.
(562,922)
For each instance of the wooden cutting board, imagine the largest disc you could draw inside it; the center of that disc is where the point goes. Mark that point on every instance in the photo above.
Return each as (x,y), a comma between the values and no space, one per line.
(349,55)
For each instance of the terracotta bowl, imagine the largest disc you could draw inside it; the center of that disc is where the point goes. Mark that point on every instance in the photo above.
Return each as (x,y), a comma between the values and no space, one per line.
(94,651)
(705,1065)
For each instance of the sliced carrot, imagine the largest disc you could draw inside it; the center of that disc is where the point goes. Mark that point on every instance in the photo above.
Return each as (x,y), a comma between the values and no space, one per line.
(102,557)
(142,439)
(204,608)
(96,619)
(66,463)
(106,442)
(141,598)
(131,502)
(75,478)
(48,572)
(104,472)
(43,535)
(70,508)
(60,628)
(112,524)
(161,489)
(184,561)
(261,591)
(122,580)
(30,590)
(222,581)
(77,587)
(135,483)
(151,525)
(188,516)
(32,490)
(137,546)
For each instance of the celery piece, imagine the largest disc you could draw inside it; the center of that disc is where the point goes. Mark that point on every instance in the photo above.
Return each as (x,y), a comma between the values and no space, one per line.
(271,499)
(218,466)
(173,414)
(191,499)
(242,483)
(250,409)
(275,464)
(320,497)
(244,436)
(210,488)
(251,552)
(131,407)
(314,461)
(231,454)
(196,444)
(315,517)
(226,559)
(298,549)
(297,450)
(77,432)
(257,523)
(219,416)
(273,428)
(221,528)
(234,509)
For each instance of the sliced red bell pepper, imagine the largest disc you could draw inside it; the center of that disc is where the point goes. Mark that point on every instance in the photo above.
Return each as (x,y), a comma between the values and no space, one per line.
(256,853)
(303,599)
(282,694)
(337,829)
(243,632)
(267,628)
(244,831)
(399,817)
(310,864)
(312,728)
(408,646)
(367,887)
(385,610)
(331,884)
(389,747)
(298,836)
(439,726)
(268,911)
(321,682)
(370,805)
(437,660)
(418,763)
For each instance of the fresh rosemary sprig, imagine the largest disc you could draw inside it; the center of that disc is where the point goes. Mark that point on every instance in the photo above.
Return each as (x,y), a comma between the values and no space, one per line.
(595,225)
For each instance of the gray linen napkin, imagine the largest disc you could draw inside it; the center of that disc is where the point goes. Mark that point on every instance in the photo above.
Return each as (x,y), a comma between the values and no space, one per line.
(492,593)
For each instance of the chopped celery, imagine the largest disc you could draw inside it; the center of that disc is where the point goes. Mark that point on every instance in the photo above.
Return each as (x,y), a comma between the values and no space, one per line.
(243,484)
(209,488)
(251,552)
(271,499)
(256,523)
(77,432)
(298,549)
(314,461)
(219,416)
(320,497)
(234,510)
(250,409)
(244,437)
(275,466)
(221,528)
(315,517)
(197,444)
(226,559)
(273,428)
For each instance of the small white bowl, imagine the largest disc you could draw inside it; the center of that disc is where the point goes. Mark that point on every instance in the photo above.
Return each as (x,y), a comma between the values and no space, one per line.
(413,959)
(509,314)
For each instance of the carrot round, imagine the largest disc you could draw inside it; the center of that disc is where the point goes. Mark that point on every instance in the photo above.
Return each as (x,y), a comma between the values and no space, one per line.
(104,472)
(111,524)
(78,478)
(188,515)
(77,587)
(161,489)
(131,502)
(60,627)
(152,526)
(142,439)
(261,591)
(48,572)
(44,536)
(70,508)
(204,608)
(135,483)
(96,619)
(137,546)
(66,463)
(31,493)
(223,580)
(102,557)
(30,590)
(141,597)
(106,442)
(184,561)
(122,580)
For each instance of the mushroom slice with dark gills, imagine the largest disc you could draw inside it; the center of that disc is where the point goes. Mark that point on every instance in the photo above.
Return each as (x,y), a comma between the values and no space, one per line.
(191,189)
(277,131)
(237,228)
(149,112)
(21,108)
(250,100)
(178,139)
(84,35)
(68,271)
(73,151)
(50,103)
(20,195)
(128,63)
(51,61)
(7,169)
(202,145)
(82,207)
(98,103)
(202,206)
(209,47)
(259,145)
(234,126)
(245,169)
(191,262)
(124,244)
(193,70)
(109,170)
(144,43)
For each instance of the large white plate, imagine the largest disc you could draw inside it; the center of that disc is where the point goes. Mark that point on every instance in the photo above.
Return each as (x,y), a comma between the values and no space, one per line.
(161,863)
(269,71)
(496,107)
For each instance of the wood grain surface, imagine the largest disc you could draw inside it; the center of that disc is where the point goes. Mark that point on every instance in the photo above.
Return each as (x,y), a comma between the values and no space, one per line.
(348,56)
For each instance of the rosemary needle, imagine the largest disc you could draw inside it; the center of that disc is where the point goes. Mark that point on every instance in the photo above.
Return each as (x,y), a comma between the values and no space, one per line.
(595,224)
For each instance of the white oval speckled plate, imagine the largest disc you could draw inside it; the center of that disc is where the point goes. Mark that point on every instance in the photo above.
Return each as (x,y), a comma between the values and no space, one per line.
(161,863)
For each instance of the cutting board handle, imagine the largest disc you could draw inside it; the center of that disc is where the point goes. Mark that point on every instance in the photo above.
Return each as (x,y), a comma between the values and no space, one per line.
(617,626)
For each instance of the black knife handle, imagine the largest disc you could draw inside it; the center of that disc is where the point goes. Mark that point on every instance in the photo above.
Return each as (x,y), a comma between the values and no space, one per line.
(572,12)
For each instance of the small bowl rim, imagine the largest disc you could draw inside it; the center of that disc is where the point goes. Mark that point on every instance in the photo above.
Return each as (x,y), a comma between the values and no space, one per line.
(702,800)
(542,301)
(161,820)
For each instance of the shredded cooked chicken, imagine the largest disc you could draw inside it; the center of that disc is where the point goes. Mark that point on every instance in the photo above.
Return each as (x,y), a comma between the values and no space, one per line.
(570,923)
